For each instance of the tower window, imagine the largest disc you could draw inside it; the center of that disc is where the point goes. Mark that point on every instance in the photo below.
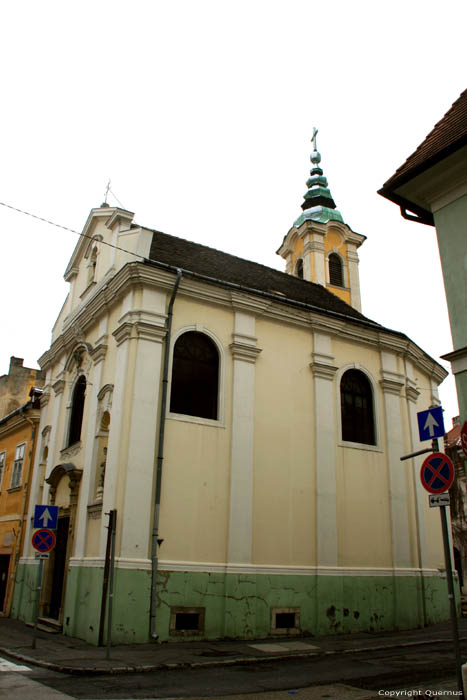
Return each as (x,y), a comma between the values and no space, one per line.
(195,376)
(77,410)
(336,276)
(358,423)
(299,268)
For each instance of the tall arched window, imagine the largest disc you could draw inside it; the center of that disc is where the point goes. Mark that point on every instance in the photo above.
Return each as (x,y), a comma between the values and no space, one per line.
(336,273)
(358,422)
(77,410)
(195,376)
(299,268)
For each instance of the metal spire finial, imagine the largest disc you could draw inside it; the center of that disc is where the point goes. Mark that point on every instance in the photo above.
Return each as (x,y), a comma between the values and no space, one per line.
(313,138)
(107,190)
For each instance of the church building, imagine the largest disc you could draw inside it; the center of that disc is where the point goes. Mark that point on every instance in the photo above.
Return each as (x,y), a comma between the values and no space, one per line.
(245,425)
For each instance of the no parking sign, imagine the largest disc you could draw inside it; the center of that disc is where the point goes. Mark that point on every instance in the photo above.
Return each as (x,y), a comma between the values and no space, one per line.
(437,473)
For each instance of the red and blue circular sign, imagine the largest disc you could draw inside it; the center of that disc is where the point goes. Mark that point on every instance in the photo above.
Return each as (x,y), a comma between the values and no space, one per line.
(43,540)
(437,473)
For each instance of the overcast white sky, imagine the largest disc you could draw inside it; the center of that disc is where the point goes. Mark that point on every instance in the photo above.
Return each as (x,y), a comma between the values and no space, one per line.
(201,113)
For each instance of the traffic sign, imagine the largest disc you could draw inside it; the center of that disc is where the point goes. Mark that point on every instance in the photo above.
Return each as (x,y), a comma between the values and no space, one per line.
(464,438)
(437,473)
(441,500)
(43,540)
(431,423)
(40,555)
(45,516)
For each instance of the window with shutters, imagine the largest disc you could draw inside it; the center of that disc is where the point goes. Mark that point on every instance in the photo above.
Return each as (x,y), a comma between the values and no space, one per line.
(195,376)
(18,466)
(336,272)
(2,466)
(357,412)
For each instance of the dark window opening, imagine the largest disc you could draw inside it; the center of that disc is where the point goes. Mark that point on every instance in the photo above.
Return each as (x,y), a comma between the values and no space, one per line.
(195,376)
(285,620)
(77,410)
(299,268)
(336,276)
(187,621)
(358,424)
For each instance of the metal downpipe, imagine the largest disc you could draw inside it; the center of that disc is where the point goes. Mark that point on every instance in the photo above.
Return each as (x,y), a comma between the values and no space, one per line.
(160,458)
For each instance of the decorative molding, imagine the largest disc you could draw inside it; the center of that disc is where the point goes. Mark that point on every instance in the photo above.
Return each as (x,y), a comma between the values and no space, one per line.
(95,511)
(45,398)
(323,366)
(241,349)
(137,274)
(411,391)
(392,382)
(99,351)
(71,450)
(58,386)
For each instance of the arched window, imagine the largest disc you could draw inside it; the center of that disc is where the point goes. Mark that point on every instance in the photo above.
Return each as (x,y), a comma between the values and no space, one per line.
(336,276)
(358,423)
(299,268)
(195,376)
(77,409)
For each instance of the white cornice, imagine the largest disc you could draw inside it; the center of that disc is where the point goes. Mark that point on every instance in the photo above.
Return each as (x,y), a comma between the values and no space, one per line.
(138,274)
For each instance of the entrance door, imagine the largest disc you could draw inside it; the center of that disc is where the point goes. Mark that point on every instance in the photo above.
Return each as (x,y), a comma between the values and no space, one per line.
(4,566)
(59,568)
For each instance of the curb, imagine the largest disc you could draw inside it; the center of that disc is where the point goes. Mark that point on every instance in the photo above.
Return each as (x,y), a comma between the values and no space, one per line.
(237,661)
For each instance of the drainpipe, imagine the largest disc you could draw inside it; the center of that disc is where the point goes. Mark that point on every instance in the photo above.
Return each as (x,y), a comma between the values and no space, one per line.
(160,458)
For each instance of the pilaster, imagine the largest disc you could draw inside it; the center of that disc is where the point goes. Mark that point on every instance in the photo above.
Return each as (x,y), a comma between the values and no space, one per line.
(143,400)
(244,353)
(324,369)
(354,277)
(392,383)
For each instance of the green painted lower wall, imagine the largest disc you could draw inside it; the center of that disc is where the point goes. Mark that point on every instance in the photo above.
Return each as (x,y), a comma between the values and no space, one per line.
(240,605)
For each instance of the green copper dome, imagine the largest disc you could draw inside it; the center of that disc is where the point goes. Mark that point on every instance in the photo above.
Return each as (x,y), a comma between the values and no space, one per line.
(318,205)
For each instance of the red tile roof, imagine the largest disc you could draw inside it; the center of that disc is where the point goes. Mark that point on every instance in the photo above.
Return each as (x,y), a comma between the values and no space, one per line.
(448,135)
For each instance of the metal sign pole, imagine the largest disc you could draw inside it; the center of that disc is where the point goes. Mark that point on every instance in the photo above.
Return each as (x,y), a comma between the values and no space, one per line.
(111,584)
(36,612)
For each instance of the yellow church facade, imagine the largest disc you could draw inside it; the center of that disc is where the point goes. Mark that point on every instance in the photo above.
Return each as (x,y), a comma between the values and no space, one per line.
(246,425)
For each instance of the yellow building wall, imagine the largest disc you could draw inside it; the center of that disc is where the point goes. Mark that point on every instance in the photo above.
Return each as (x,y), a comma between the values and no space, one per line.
(196,474)
(284,488)
(14,502)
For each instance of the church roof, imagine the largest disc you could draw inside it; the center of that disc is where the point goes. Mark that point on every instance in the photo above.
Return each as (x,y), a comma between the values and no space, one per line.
(447,136)
(217,266)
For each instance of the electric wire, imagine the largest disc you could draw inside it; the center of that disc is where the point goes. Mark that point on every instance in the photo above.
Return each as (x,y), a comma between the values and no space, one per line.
(72,230)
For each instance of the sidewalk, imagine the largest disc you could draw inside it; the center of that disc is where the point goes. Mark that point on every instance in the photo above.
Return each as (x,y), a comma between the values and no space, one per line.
(68,655)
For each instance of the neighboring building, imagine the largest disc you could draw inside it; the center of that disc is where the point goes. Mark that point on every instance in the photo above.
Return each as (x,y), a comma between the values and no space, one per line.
(458,496)
(431,188)
(18,435)
(264,494)
(16,385)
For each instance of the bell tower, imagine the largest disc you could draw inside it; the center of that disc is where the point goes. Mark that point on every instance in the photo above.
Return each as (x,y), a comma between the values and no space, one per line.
(320,247)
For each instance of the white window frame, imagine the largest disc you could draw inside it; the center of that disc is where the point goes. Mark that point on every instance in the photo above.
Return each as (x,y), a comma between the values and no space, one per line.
(374,389)
(220,421)
(17,470)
